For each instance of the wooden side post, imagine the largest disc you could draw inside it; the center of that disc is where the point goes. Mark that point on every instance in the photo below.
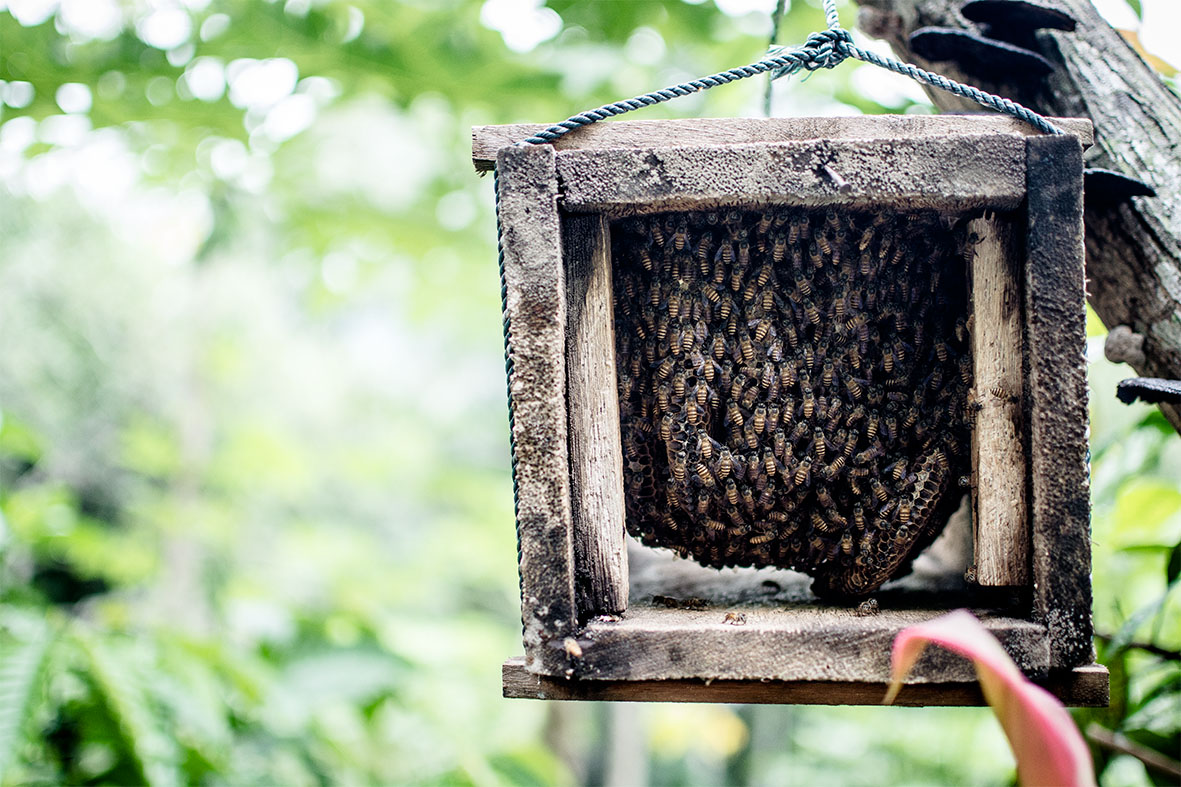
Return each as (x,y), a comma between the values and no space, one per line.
(535,296)
(596,456)
(1000,527)
(1056,338)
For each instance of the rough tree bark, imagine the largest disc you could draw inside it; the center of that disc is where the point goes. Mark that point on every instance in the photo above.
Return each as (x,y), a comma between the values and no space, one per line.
(1133,244)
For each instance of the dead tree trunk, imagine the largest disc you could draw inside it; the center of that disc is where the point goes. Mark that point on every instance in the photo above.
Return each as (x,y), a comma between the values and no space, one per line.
(1133,243)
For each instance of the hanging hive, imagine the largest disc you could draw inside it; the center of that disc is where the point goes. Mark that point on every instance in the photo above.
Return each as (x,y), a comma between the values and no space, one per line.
(819,270)
(793,387)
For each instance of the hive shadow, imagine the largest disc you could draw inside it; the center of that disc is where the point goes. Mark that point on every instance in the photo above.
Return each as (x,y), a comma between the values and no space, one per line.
(793,386)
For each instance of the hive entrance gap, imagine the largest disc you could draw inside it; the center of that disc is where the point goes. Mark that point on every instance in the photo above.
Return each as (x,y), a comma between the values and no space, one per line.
(793,386)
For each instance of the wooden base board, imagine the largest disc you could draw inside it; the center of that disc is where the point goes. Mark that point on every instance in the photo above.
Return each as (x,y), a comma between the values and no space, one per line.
(1082,687)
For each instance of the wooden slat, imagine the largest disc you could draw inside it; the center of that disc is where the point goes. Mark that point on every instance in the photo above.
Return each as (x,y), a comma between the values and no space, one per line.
(700,132)
(536,312)
(998,455)
(1057,402)
(951,173)
(1085,686)
(596,458)
(779,642)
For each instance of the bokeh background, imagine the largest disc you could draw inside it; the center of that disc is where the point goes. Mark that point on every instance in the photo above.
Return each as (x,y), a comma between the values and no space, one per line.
(256,512)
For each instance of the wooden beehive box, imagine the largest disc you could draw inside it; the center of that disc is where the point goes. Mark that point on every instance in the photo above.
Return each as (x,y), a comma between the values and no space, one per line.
(984,219)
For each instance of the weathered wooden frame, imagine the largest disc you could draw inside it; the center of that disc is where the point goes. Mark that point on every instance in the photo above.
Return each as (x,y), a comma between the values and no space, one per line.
(554,205)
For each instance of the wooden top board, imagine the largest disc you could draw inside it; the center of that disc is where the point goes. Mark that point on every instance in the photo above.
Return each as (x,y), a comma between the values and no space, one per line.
(705,132)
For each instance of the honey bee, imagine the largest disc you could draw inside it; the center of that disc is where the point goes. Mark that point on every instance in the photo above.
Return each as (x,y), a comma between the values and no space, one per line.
(811,311)
(725,463)
(770,465)
(662,399)
(703,501)
(819,445)
(724,256)
(827,372)
(749,398)
(760,418)
(678,466)
(748,499)
(767,496)
(725,307)
(655,232)
(854,388)
(904,512)
(821,242)
(746,348)
(803,473)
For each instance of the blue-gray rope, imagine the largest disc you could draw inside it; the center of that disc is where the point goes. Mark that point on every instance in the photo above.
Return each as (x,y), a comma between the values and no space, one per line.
(826,49)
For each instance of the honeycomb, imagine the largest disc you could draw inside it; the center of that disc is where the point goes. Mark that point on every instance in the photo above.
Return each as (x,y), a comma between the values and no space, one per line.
(793,387)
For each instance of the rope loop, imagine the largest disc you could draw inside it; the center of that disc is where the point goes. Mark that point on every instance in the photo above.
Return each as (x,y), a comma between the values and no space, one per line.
(824,49)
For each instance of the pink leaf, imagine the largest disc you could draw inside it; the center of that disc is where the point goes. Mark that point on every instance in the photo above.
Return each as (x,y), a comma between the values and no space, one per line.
(1048,747)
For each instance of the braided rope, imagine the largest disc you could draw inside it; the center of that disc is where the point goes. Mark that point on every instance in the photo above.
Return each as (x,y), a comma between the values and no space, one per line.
(508,355)
(825,49)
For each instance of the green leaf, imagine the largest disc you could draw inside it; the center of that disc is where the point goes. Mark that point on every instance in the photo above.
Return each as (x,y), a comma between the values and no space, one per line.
(20,668)
(1137,8)
(1173,570)
(154,751)
(1127,632)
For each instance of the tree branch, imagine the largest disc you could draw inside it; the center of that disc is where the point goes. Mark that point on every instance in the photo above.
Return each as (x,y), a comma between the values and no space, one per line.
(1133,244)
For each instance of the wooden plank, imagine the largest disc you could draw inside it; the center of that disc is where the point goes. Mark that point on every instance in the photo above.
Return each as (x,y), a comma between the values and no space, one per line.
(953,173)
(1057,403)
(536,316)
(596,457)
(697,639)
(1085,686)
(999,520)
(702,132)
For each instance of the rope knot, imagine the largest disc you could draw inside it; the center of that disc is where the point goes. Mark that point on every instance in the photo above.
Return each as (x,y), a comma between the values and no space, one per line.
(827,48)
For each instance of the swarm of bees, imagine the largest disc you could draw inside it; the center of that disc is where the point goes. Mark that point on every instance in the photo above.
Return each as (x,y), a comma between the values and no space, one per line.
(793,387)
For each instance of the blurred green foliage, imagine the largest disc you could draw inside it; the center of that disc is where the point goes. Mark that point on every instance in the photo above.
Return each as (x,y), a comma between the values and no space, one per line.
(256,517)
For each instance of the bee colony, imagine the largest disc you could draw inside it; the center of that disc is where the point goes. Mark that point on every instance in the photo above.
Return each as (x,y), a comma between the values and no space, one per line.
(792,344)
(793,387)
